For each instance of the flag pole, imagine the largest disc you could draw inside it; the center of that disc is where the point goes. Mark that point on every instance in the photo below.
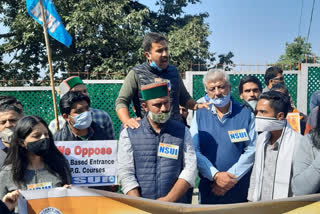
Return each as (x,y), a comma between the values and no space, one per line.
(45,32)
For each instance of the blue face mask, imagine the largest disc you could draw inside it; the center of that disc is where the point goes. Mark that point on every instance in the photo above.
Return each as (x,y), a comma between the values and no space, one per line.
(83,120)
(154,65)
(221,101)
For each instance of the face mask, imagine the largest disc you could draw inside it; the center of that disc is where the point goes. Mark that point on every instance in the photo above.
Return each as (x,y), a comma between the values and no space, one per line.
(6,134)
(154,65)
(207,98)
(160,117)
(83,120)
(253,104)
(221,101)
(39,147)
(268,124)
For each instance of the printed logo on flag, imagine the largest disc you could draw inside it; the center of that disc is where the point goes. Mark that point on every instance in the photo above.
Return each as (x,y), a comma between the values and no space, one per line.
(44,185)
(53,20)
(168,151)
(239,135)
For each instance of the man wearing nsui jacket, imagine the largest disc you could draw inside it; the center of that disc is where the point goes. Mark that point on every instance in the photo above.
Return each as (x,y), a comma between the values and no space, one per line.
(157,159)
(224,139)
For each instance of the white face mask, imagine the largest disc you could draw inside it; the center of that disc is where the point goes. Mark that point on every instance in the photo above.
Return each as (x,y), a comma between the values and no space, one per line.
(253,104)
(269,124)
(6,134)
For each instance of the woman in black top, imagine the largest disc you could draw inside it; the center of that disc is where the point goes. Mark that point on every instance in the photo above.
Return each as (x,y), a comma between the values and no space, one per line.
(33,161)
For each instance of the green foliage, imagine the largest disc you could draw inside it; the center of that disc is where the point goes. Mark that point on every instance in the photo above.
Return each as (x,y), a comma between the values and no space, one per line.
(107,37)
(225,61)
(296,52)
(174,7)
(189,45)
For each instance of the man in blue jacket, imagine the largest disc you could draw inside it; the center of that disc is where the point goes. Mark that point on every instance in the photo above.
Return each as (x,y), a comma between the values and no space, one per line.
(224,140)
(157,159)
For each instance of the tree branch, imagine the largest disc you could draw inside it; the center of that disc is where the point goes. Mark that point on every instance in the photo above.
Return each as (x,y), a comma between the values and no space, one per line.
(12,48)
(7,35)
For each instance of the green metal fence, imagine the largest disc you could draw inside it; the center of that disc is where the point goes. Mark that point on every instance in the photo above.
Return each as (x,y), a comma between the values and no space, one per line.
(39,103)
(313,81)
(103,96)
(290,81)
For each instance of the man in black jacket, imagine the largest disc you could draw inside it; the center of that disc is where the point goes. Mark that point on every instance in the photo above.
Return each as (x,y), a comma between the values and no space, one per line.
(75,110)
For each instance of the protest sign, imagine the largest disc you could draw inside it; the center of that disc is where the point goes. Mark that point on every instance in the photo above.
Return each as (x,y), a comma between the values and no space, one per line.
(92,163)
(294,121)
(71,201)
(79,200)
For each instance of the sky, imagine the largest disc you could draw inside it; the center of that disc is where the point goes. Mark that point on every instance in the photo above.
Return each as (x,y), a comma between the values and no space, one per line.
(256,31)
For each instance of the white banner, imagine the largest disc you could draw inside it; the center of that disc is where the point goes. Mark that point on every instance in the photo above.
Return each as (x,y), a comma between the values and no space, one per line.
(77,200)
(92,163)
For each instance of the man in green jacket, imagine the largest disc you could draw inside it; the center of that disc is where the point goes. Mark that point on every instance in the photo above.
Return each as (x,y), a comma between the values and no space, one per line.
(155,69)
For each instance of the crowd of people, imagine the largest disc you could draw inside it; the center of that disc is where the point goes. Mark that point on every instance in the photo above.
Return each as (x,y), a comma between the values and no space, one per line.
(241,151)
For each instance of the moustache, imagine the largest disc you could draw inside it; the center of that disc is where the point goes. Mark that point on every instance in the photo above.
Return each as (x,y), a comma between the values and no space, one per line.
(164,59)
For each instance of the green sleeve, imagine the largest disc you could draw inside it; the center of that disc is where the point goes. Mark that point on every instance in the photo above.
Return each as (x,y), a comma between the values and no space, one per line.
(184,94)
(128,90)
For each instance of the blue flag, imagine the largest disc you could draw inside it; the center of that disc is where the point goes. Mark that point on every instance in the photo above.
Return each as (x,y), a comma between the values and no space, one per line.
(54,23)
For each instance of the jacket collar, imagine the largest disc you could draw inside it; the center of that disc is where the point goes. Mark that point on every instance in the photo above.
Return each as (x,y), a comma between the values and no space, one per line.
(69,132)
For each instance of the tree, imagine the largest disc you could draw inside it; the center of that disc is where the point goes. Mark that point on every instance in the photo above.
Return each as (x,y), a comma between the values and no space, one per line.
(225,61)
(107,37)
(296,52)
(189,45)
(187,34)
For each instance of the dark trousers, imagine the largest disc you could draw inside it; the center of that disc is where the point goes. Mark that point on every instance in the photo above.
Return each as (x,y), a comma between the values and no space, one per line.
(237,194)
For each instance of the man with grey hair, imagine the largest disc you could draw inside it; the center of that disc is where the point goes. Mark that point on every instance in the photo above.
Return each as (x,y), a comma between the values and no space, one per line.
(213,73)
(224,139)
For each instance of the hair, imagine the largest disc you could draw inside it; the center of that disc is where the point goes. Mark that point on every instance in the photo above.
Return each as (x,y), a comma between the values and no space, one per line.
(7,107)
(9,100)
(278,101)
(247,79)
(272,73)
(69,99)
(151,38)
(279,86)
(214,75)
(18,155)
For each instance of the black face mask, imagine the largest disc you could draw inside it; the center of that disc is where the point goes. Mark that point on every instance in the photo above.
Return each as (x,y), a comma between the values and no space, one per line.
(39,147)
